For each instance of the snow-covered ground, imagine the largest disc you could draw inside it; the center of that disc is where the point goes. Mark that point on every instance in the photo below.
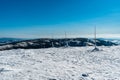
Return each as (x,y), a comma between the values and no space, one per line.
(73,63)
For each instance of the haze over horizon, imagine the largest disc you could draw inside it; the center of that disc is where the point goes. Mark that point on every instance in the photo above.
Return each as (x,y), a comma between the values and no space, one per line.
(52,18)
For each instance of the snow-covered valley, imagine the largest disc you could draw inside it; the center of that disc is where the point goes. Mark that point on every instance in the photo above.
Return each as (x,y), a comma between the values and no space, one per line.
(72,63)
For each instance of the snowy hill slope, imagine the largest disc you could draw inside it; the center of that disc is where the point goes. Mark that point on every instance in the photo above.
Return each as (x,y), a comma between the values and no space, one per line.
(113,40)
(116,41)
(9,40)
(73,63)
(47,43)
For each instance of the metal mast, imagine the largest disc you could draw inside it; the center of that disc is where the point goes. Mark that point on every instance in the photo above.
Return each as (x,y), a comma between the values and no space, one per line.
(95,36)
(66,42)
(95,49)
(52,41)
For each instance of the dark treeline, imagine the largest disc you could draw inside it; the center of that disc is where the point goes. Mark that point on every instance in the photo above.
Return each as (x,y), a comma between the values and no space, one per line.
(47,43)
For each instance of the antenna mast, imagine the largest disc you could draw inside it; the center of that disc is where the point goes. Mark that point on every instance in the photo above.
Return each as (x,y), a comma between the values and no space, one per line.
(52,41)
(95,49)
(65,35)
(66,45)
(95,36)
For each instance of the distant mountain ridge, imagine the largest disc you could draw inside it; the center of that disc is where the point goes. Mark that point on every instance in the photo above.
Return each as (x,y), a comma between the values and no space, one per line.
(5,40)
(114,40)
(47,43)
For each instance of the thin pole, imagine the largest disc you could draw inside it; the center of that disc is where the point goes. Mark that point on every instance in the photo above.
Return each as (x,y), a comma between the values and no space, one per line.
(66,39)
(95,36)
(52,41)
(95,49)
(65,35)
(87,42)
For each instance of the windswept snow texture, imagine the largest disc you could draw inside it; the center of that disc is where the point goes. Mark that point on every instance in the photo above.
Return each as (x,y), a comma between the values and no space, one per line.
(72,63)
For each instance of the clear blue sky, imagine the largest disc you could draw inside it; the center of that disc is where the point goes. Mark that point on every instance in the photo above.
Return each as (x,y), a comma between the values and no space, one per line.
(44,18)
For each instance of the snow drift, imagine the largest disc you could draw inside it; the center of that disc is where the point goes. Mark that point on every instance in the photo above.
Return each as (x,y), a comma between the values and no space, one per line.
(72,63)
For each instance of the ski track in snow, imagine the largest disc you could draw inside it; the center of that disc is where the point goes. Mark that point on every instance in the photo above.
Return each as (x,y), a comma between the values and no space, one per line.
(70,63)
